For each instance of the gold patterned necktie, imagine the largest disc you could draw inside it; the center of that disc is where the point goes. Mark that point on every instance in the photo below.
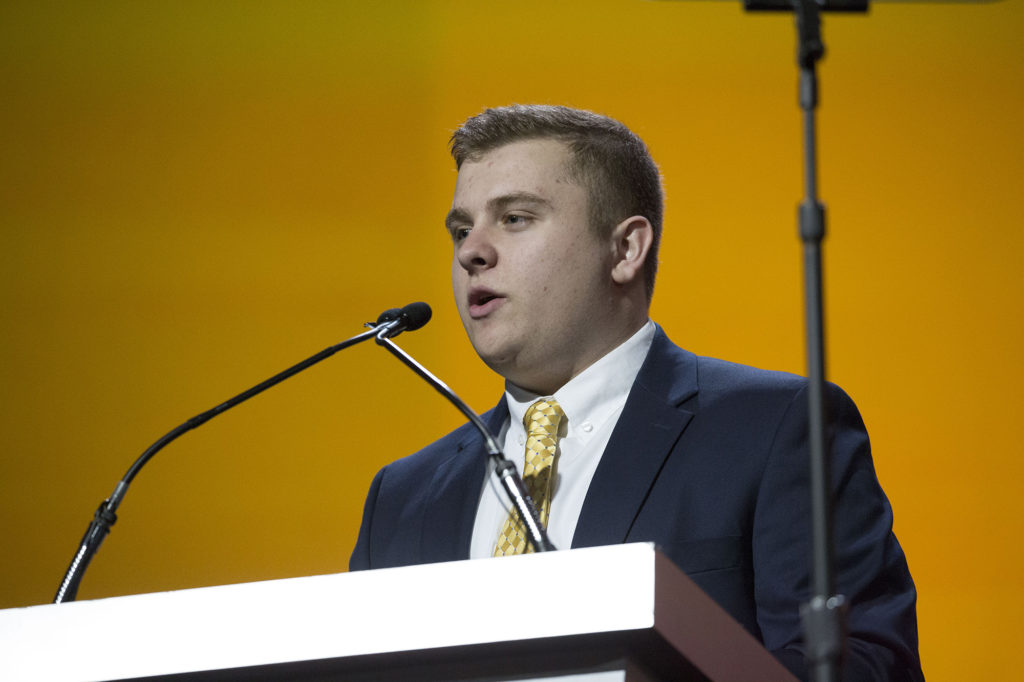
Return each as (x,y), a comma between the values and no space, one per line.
(541,421)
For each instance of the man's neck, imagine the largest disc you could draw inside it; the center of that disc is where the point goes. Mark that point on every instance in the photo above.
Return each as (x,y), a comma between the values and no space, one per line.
(549,384)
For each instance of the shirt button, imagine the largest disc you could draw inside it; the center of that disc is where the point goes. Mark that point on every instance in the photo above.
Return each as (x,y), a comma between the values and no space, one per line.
(587,427)
(522,441)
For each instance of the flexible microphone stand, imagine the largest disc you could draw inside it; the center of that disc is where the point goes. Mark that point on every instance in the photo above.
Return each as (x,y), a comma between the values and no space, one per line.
(106,516)
(390,323)
(504,468)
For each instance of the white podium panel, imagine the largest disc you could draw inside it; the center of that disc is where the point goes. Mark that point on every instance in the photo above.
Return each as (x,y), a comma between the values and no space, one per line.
(623,611)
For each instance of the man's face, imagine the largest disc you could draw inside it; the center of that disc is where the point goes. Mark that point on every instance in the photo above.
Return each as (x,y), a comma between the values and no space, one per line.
(532,280)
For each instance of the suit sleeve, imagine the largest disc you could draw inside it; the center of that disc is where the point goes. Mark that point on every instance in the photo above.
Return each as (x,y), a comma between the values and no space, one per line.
(872,571)
(360,559)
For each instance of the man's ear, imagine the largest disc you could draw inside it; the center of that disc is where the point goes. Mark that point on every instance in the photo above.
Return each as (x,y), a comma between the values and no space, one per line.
(631,240)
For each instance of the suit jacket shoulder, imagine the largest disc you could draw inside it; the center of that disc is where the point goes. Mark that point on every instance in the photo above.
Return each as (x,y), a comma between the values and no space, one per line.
(709,460)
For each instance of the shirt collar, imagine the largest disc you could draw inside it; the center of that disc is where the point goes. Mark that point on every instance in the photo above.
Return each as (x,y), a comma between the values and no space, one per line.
(595,393)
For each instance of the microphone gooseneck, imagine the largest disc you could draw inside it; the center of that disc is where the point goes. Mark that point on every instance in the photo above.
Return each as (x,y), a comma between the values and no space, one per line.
(392,321)
(417,315)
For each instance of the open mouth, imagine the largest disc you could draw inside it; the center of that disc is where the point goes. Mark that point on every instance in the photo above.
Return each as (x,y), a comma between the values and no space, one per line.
(482,302)
(481,296)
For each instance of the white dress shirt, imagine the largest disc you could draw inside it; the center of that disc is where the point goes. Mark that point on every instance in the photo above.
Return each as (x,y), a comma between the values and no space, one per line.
(592,402)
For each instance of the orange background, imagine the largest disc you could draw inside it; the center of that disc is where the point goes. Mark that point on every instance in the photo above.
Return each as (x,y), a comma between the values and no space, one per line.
(194,196)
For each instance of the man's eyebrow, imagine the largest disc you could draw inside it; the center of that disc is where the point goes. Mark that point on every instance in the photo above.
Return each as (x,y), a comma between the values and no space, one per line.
(456,216)
(505,200)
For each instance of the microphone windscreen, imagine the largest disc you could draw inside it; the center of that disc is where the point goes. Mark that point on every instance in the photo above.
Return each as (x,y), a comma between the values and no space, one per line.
(416,315)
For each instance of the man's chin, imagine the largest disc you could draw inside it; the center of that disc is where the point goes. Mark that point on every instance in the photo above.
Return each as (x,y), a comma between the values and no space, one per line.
(497,355)
(508,367)
(498,362)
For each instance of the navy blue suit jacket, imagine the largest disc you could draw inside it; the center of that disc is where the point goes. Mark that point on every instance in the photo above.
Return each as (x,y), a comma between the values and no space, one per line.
(709,461)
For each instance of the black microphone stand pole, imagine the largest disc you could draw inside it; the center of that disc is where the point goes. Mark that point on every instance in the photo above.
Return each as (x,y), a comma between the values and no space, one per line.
(824,615)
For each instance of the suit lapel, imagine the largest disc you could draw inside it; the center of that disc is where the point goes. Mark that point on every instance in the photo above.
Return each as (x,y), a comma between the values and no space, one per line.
(455,494)
(649,426)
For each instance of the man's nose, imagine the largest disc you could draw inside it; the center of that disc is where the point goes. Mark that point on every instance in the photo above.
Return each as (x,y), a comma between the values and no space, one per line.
(477,251)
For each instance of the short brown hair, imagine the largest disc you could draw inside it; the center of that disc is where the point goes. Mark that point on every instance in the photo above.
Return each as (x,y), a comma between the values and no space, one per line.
(608,159)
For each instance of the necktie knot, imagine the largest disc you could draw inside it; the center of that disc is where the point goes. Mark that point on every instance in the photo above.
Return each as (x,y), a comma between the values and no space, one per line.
(541,421)
(543,417)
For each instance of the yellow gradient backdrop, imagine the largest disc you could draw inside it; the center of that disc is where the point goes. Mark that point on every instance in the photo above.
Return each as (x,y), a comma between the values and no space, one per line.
(196,195)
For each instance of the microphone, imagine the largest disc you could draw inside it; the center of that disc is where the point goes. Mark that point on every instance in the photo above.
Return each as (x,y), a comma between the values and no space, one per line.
(414,316)
(394,321)
(391,323)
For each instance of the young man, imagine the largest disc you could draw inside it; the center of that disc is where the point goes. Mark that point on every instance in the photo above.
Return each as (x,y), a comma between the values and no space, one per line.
(555,224)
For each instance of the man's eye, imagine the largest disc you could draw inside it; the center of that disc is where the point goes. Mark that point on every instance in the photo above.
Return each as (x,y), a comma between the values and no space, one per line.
(460,233)
(515,219)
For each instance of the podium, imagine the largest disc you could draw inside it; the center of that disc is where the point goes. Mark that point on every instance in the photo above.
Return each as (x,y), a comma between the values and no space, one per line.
(622,612)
